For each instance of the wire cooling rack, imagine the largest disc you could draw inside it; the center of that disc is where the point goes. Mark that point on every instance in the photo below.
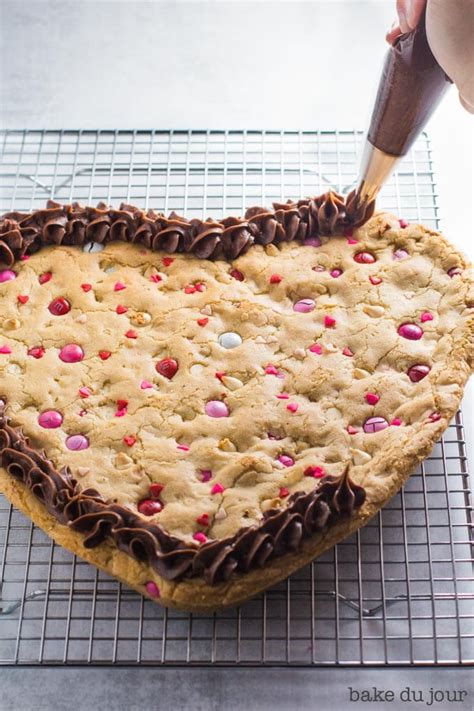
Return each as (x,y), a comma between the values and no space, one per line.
(400,591)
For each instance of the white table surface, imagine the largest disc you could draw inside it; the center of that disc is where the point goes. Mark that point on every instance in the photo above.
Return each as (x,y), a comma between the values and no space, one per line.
(284,65)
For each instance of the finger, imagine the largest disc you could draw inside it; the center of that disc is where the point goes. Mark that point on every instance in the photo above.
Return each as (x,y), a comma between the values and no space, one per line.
(409,13)
(393,33)
(402,15)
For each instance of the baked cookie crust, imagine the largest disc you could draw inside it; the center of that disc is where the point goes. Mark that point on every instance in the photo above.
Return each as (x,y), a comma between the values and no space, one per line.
(330,370)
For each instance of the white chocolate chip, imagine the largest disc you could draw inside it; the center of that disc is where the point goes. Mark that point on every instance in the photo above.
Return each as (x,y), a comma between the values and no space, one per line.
(196,369)
(11,324)
(82,471)
(231,383)
(360,457)
(329,347)
(206,310)
(92,247)
(141,318)
(299,353)
(373,311)
(360,373)
(220,515)
(227,446)
(82,318)
(122,460)
(272,250)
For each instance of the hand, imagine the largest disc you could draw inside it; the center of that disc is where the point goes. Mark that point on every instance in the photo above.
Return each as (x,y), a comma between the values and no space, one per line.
(450,33)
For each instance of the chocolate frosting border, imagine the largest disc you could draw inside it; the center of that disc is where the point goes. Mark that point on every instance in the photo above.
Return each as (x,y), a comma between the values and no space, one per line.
(86,511)
(25,233)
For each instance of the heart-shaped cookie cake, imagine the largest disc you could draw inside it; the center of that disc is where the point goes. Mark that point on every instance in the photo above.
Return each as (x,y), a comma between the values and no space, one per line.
(201,408)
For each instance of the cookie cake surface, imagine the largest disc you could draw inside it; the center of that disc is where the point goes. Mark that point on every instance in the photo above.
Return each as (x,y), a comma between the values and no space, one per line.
(200,408)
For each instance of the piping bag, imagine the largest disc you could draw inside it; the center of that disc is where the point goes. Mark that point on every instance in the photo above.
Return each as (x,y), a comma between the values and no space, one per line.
(410,88)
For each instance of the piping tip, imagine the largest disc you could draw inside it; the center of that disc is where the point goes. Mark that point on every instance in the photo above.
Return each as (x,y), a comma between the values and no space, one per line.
(376,168)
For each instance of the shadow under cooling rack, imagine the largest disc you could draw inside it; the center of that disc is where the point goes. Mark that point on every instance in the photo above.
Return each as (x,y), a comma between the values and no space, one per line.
(400,591)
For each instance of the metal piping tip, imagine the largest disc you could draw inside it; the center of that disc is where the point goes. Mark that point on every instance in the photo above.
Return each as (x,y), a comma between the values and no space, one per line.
(376,168)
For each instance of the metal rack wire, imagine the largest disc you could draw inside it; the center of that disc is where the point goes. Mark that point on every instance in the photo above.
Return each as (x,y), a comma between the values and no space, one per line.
(400,591)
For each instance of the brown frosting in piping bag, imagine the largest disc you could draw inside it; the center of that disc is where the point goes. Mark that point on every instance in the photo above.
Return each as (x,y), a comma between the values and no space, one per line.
(280,531)
(25,233)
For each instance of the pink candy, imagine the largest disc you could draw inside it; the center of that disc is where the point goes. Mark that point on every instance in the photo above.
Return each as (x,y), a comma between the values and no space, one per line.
(364,258)
(71,353)
(292,407)
(152,589)
(286,460)
(304,306)
(312,242)
(410,331)
(316,348)
(396,422)
(145,385)
(454,271)
(50,419)
(84,392)
(7,275)
(375,424)
(426,316)
(5,350)
(216,408)
(77,442)
(347,352)
(335,273)
(119,286)
(403,223)
(217,488)
(271,370)
(400,254)
(205,475)
(329,321)
(200,537)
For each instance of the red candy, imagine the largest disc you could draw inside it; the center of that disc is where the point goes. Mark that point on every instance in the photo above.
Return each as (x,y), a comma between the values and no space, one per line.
(202,321)
(220,374)
(418,372)
(149,507)
(59,307)
(329,321)
(36,352)
(23,299)
(315,472)
(316,348)
(275,279)
(375,280)
(155,278)
(121,309)
(168,367)
(347,352)
(131,333)
(129,440)
(86,287)
(104,355)
(283,492)
(236,274)
(203,520)
(372,398)
(45,277)
(118,286)
(167,261)
(156,489)
(292,407)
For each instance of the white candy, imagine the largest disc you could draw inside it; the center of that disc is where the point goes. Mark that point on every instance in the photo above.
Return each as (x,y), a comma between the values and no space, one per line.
(92,247)
(230,340)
